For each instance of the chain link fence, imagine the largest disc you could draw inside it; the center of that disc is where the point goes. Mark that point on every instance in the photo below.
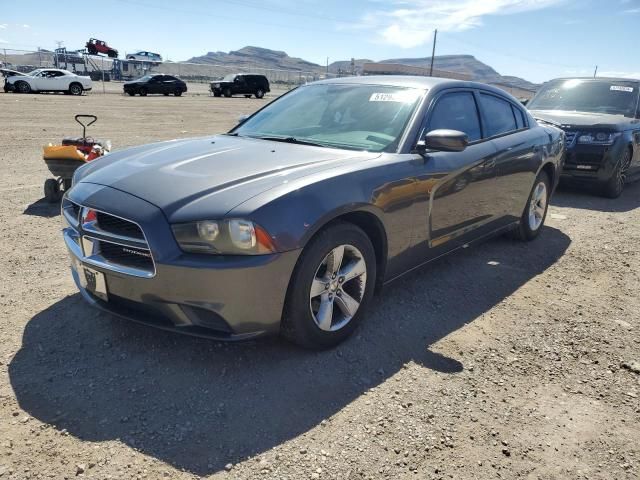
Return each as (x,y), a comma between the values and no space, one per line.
(101,68)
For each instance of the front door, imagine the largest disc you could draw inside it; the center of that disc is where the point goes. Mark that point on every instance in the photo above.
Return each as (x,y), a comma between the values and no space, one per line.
(462,198)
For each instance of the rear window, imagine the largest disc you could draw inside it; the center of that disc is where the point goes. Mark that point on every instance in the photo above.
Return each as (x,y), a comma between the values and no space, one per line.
(498,114)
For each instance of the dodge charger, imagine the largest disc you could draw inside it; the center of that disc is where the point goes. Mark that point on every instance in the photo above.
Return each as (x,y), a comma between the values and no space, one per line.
(292,220)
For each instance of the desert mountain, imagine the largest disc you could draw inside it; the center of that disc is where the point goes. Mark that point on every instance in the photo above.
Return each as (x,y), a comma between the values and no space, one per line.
(248,58)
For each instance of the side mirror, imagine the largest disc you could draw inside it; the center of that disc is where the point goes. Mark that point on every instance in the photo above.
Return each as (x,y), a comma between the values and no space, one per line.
(444,141)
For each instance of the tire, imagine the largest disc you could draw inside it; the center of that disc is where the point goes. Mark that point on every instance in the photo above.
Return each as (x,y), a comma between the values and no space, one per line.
(143,92)
(217,94)
(535,212)
(303,320)
(51,190)
(178,93)
(259,93)
(615,185)
(227,92)
(75,89)
(23,87)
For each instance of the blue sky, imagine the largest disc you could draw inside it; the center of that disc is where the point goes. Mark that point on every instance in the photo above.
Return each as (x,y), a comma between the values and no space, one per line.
(533,39)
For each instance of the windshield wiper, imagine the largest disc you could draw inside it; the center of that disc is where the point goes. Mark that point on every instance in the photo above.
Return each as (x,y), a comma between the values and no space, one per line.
(290,140)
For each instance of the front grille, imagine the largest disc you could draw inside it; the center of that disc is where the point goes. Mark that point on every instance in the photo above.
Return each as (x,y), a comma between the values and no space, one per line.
(105,240)
(126,256)
(570,138)
(118,226)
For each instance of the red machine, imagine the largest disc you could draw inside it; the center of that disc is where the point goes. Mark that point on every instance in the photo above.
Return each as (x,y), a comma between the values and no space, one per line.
(95,46)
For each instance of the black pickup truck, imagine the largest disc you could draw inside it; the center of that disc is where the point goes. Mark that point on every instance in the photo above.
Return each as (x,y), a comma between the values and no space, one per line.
(601,120)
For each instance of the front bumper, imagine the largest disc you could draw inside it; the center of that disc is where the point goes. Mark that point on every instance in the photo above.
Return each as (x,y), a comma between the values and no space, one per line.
(591,163)
(226,297)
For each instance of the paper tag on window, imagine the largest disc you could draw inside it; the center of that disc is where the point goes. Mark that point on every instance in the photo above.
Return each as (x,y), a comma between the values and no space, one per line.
(616,88)
(400,97)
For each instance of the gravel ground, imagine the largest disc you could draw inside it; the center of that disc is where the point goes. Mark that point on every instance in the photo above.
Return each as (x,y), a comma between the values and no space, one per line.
(505,361)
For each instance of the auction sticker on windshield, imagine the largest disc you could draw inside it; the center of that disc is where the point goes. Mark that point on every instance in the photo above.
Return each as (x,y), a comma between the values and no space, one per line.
(401,97)
(617,88)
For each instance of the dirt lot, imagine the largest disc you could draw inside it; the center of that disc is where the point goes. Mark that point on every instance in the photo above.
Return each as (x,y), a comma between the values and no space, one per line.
(505,361)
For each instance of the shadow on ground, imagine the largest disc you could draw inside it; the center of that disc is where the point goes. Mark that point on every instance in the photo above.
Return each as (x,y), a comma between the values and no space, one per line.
(43,208)
(588,198)
(198,405)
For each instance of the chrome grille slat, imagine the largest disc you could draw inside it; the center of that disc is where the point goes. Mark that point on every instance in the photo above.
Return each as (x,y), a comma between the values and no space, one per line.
(105,240)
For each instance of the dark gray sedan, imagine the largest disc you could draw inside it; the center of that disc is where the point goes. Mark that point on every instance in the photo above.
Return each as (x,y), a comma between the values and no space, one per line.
(288,223)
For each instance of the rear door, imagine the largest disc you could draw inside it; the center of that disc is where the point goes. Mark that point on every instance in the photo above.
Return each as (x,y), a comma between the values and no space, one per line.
(462,200)
(518,153)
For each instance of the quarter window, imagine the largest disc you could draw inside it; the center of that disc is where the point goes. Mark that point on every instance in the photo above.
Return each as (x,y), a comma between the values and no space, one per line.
(457,111)
(498,115)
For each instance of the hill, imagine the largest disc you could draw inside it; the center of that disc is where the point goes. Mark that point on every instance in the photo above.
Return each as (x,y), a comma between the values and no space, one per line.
(249,58)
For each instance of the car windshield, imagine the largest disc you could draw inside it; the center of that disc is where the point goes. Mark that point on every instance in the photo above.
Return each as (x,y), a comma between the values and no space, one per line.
(595,96)
(354,117)
(34,72)
(229,78)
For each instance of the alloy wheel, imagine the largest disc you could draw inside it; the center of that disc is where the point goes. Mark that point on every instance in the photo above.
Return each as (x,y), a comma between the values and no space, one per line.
(338,288)
(538,206)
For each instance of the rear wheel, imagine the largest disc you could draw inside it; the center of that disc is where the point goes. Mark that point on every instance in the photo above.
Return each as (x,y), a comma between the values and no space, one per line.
(330,288)
(615,185)
(259,93)
(535,212)
(143,92)
(23,87)
(75,89)
(51,190)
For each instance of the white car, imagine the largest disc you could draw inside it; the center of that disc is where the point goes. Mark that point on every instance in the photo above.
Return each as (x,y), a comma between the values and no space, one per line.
(49,80)
(145,57)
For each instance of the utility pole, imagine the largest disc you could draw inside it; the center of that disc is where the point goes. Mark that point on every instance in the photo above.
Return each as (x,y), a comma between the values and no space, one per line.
(596,72)
(433,52)
(327,67)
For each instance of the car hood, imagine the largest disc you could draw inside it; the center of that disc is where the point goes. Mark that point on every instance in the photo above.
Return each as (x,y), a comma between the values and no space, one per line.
(585,119)
(210,176)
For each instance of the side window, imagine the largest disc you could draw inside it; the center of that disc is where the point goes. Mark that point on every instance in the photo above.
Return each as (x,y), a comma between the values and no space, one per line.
(169,78)
(457,111)
(498,115)
(521,122)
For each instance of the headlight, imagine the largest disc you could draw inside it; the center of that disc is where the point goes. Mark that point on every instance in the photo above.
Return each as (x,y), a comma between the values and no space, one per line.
(223,237)
(600,138)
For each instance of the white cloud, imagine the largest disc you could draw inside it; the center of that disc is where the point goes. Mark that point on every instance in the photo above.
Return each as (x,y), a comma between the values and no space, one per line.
(26,26)
(3,26)
(410,23)
(632,10)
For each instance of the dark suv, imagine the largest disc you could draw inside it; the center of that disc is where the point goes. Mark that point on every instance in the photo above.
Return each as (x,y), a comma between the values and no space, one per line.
(601,119)
(241,84)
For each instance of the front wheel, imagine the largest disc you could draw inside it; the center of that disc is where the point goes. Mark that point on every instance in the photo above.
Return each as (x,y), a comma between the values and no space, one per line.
(177,93)
(330,288)
(143,92)
(615,185)
(227,92)
(535,212)
(75,89)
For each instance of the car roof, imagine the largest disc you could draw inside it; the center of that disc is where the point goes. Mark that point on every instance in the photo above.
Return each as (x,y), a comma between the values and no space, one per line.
(413,81)
(606,79)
